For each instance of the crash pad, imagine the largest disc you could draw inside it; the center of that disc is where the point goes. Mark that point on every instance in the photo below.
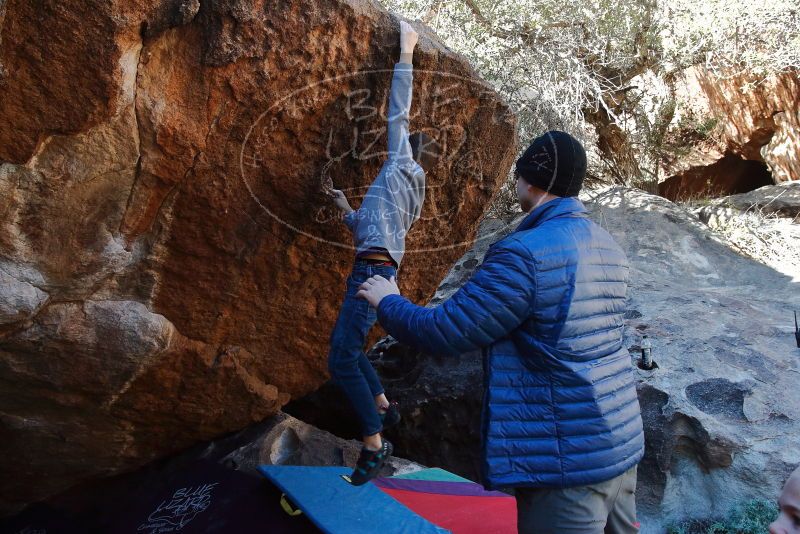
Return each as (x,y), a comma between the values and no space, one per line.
(336,506)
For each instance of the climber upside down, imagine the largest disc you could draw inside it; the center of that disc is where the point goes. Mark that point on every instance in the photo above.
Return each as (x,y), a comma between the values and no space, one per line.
(561,423)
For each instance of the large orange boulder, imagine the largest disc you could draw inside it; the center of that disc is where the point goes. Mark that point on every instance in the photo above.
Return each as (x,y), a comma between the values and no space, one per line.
(170,268)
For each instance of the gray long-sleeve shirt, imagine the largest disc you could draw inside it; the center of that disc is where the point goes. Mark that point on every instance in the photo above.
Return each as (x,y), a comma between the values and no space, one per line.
(394,200)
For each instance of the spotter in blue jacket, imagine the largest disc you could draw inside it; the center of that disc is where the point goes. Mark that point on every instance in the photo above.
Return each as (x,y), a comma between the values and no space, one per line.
(560,407)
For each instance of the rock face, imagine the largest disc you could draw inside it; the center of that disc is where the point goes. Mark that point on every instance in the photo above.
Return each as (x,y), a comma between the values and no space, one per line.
(781,200)
(721,412)
(736,140)
(762,224)
(163,223)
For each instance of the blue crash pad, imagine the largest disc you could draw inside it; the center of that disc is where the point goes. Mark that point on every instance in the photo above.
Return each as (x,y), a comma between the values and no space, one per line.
(338,507)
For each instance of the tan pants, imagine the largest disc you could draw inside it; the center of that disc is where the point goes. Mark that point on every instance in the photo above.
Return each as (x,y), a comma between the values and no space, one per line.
(606,507)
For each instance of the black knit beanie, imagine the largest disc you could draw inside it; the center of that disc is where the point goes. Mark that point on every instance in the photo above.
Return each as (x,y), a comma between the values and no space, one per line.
(555,162)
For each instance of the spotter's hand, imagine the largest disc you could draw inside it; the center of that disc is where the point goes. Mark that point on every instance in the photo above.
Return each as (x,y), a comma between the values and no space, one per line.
(377,287)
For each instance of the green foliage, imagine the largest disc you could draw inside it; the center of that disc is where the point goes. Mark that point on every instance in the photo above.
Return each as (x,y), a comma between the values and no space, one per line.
(752,517)
(698,128)
(705,127)
(681,139)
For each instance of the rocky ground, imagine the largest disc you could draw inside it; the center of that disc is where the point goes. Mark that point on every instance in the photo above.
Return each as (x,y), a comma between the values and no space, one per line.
(763,224)
(721,412)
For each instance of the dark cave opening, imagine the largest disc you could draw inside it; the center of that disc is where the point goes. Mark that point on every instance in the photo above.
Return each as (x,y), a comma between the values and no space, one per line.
(729,176)
(328,409)
(440,405)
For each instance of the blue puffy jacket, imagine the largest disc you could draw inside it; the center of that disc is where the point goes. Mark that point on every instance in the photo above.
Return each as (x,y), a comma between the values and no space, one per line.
(560,407)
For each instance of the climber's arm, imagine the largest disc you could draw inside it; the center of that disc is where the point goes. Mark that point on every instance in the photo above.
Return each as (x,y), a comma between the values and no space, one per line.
(400,95)
(341,202)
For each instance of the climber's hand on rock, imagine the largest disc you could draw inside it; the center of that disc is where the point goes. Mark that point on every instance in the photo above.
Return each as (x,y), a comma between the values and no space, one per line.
(340,201)
(408,38)
(377,287)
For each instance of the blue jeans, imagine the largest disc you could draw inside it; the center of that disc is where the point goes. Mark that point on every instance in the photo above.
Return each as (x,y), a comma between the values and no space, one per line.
(347,363)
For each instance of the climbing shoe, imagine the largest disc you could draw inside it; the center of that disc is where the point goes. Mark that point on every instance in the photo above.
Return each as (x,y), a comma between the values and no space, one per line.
(391,416)
(370,463)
